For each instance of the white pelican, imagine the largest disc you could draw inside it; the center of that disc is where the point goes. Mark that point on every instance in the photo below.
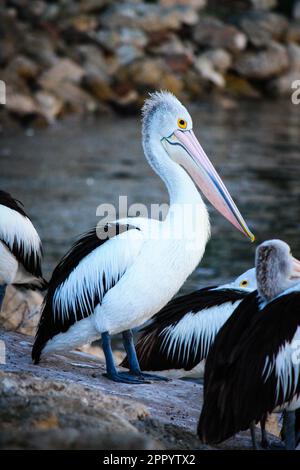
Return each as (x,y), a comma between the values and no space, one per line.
(253,367)
(177,340)
(104,287)
(20,247)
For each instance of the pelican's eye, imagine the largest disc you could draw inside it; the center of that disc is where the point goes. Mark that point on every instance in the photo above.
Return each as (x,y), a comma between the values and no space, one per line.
(244,283)
(182,123)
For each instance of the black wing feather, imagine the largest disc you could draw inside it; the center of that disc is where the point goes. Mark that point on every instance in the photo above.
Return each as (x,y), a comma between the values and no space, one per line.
(49,324)
(236,390)
(152,345)
(31,260)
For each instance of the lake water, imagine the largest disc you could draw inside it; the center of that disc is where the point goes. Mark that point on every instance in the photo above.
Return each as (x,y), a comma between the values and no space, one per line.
(64,172)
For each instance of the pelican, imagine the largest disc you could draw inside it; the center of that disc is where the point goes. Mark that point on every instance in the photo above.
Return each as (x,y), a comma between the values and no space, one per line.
(118,276)
(178,339)
(20,247)
(253,368)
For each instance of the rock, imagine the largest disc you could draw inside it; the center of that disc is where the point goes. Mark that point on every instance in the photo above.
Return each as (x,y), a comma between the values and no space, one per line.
(20,104)
(293,34)
(220,59)
(148,17)
(127,54)
(39,47)
(75,99)
(66,403)
(63,80)
(79,24)
(264,64)
(213,33)
(282,86)
(126,43)
(197,4)
(92,60)
(294,56)
(64,69)
(49,105)
(23,67)
(261,27)
(98,87)
(240,87)
(169,45)
(21,310)
(87,6)
(193,84)
(212,64)
(154,74)
(179,63)
(207,71)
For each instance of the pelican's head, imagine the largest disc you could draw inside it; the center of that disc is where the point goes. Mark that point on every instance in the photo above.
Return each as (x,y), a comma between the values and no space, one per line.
(246,281)
(167,123)
(276,268)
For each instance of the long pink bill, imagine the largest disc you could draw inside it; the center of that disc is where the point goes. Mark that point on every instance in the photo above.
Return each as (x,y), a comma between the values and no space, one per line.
(209,182)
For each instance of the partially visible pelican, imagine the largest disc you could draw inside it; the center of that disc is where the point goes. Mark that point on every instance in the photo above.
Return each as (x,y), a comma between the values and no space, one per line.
(20,247)
(253,367)
(109,283)
(178,339)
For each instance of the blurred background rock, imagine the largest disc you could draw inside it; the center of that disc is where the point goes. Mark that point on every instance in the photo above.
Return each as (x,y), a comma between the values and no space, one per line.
(62,57)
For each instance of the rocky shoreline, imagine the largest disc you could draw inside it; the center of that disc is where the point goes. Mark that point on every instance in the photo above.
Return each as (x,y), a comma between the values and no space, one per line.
(66,403)
(92,56)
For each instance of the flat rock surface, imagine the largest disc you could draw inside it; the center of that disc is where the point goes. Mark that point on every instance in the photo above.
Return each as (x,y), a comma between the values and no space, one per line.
(65,402)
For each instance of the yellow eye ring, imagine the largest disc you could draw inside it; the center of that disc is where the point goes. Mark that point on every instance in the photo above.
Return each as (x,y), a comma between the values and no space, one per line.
(181,123)
(244,283)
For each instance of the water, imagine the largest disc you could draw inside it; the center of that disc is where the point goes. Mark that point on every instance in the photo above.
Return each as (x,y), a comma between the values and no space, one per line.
(62,173)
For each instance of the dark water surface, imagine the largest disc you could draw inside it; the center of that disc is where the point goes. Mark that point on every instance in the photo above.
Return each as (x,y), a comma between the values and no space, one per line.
(64,172)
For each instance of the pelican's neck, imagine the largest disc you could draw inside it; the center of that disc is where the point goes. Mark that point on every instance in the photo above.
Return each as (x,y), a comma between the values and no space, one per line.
(271,281)
(187,215)
(180,186)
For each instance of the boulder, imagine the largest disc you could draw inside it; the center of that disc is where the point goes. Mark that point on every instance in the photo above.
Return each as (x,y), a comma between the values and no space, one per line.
(264,64)
(92,60)
(24,67)
(220,59)
(50,106)
(261,27)
(240,87)
(40,47)
(63,70)
(213,33)
(21,310)
(207,71)
(20,104)
(283,85)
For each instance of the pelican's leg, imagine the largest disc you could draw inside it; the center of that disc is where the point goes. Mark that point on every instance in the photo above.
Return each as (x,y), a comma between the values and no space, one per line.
(111,371)
(134,365)
(253,436)
(290,435)
(2,294)
(264,438)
